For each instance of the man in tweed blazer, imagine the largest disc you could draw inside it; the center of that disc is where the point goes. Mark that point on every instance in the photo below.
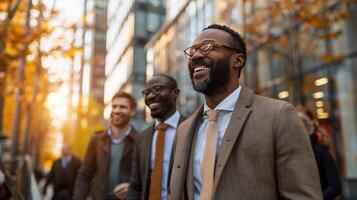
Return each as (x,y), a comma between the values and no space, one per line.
(262,151)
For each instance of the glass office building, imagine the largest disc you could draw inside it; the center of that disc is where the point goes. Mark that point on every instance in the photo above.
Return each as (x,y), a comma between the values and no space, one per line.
(130,26)
(301,53)
(99,51)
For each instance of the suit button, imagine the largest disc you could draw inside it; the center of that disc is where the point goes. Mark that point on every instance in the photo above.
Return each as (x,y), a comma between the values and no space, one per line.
(178,166)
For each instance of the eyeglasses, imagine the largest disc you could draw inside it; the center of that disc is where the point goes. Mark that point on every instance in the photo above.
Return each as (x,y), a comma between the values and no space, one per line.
(154,90)
(205,48)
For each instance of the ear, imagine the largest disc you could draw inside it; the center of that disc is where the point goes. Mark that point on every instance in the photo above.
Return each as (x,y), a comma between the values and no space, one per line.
(176,92)
(238,60)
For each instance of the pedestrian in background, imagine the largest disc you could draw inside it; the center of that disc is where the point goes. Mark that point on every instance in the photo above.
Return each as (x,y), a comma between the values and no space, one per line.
(107,163)
(329,176)
(238,145)
(63,175)
(153,150)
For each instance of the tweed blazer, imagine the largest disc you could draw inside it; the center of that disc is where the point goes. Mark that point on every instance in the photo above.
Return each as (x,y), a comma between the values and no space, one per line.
(140,177)
(265,154)
(94,172)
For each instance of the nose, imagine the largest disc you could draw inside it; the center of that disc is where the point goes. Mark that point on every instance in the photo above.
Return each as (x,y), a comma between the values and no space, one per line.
(149,96)
(197,55)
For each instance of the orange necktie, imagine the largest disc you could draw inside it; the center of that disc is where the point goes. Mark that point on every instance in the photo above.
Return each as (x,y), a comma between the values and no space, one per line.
(209,155)
(156,179)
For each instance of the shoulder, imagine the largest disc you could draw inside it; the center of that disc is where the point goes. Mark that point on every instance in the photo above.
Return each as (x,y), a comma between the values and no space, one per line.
(75,158)
(260,104)
(99,134)
(269,103)
(57,161)
(133,133)
(97,137)
(273,108)
(146,134)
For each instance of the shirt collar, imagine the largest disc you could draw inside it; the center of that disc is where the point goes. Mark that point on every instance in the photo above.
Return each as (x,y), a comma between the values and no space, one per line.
(228,103)
(67,158)
(172,121)
(117,141)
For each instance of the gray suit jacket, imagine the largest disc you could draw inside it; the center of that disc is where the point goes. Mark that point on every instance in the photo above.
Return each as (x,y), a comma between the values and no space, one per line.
(140,176)
(265,154)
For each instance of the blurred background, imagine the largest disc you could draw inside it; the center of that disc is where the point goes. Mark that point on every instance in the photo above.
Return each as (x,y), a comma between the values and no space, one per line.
(62,61)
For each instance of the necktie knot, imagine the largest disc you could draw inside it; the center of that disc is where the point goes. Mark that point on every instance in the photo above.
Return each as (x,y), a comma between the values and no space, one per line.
(162,127)
(212,115)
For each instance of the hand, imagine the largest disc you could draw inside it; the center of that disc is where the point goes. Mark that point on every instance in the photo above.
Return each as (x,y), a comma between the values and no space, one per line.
(121,190)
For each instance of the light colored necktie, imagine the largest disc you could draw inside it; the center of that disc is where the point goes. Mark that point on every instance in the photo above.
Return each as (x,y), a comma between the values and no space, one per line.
(209,155)
(156,179)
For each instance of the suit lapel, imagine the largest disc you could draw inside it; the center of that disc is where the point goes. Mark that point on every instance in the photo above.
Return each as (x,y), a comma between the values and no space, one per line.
(190,182)
(189,156)
(231,136)
(105,147)
(128,143)
(182,118)
(147,157)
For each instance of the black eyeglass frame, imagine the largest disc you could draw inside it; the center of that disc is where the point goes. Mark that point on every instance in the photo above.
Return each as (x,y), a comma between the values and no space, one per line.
(155,90)
(213,44)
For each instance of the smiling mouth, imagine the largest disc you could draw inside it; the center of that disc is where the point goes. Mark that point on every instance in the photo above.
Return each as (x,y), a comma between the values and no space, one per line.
(116,118)
(154,106)
(199,71)
(199,68)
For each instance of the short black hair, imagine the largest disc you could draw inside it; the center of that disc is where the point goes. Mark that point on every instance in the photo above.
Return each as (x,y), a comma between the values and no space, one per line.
(172,81)
(238,41)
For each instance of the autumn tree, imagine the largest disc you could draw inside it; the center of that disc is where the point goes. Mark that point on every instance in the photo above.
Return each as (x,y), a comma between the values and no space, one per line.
(24,83)
(294,32)
(7,9)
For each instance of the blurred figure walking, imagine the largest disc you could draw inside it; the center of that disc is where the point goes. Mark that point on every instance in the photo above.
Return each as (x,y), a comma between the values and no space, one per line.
(329,176)
(63,175)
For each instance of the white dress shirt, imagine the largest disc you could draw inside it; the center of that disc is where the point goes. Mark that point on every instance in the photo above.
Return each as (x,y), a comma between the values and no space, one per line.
(225,108)
(118,140)
(170,134)
(65,161)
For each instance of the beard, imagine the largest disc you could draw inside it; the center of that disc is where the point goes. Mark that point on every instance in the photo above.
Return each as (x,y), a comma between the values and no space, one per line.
(217,79)
(119,122)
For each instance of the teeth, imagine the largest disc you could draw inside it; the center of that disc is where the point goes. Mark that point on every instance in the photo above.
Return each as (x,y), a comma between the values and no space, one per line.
(154,105)
(199,68)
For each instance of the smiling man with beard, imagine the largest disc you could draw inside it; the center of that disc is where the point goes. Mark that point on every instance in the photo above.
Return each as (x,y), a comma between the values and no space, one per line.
(238,145)
(152,156)
(107,162)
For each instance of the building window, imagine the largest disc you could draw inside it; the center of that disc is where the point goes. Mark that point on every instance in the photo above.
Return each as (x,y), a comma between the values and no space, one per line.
(153,22)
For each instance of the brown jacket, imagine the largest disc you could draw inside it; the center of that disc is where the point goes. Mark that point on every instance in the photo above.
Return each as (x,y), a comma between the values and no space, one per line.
(140,176)
(94,172)
(265,154)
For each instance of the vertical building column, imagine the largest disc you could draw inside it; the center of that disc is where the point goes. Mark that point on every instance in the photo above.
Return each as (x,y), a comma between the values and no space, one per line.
(347,95)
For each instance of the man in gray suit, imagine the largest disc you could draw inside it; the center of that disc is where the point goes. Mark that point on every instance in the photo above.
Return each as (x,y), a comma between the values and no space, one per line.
(238,145)
(151,166)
